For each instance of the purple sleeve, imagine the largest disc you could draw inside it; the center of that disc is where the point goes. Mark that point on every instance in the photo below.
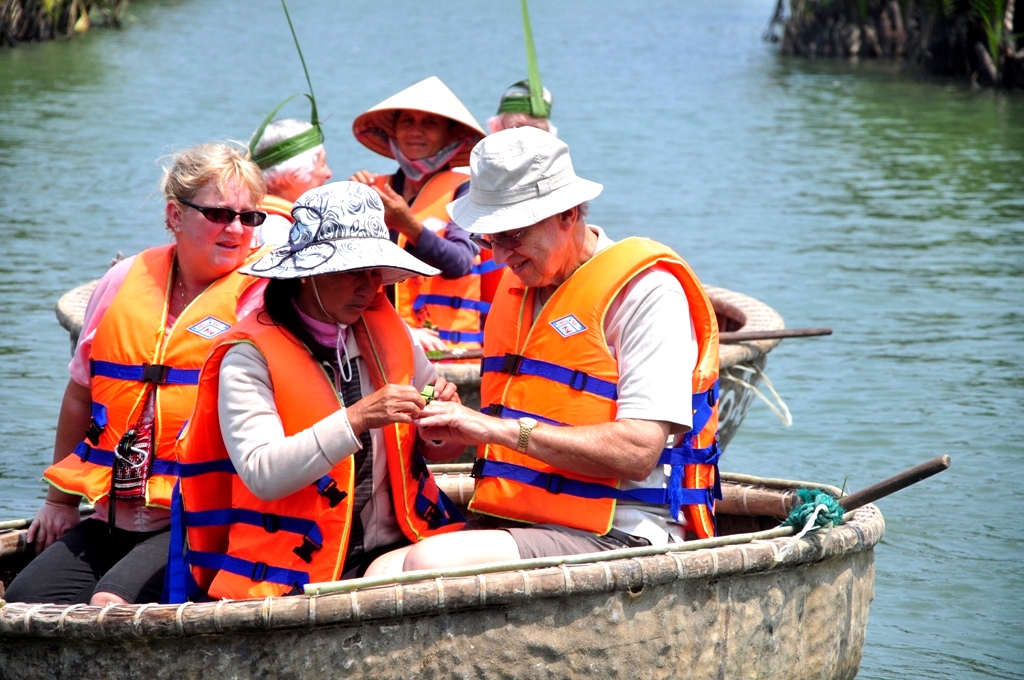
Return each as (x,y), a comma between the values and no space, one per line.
(453,254)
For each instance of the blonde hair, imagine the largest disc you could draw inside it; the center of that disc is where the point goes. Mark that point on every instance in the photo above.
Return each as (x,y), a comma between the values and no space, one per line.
(214,163)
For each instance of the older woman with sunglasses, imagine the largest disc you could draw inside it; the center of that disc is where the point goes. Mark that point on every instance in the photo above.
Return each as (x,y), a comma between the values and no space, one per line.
(302,462)
(147,328)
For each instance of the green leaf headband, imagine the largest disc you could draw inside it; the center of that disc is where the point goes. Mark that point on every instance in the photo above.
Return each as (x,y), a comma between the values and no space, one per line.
(300,143)
(534,104)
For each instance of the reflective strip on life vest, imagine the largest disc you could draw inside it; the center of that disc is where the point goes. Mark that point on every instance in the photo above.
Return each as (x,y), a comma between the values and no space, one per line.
(450,301)
(558,484)
(154,373)
(515,364)
(104,458)
(257,571)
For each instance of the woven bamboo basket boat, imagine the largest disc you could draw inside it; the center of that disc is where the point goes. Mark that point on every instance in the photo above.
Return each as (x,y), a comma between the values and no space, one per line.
(760,604)
(741,365)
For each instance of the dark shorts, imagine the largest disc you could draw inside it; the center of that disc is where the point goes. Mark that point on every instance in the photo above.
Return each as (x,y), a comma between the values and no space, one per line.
(554,540)
(89,559)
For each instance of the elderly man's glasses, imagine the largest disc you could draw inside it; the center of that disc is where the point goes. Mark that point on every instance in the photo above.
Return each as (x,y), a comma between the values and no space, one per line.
(505,239)
(248,218)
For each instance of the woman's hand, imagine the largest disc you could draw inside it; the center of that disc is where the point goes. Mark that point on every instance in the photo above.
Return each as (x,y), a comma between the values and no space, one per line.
(364,177)
(390,404)
(398,215)
(445,390)
(51,522)
(428,340)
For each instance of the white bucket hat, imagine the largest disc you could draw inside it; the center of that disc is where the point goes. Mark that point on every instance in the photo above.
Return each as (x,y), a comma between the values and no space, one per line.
(339,227)
(519,177)
(375,126)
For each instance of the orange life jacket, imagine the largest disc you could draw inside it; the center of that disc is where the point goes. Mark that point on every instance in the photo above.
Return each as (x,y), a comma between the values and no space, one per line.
(241,546)
(134,352)
(275,205)
(559,370)
(453,307)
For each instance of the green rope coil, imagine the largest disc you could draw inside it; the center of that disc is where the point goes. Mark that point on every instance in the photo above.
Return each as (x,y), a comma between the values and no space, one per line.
(811,499)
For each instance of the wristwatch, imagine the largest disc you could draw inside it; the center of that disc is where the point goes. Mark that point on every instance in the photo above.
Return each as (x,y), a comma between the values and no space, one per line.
(526,426)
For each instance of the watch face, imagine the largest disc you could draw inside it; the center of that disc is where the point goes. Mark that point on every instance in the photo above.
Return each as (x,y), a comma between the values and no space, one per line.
(528,422)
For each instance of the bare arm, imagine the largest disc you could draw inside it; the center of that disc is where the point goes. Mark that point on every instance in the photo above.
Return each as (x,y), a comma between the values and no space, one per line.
(626,449)
(60,512)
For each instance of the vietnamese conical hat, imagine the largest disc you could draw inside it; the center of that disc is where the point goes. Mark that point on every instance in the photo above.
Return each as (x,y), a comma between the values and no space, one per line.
(431,96)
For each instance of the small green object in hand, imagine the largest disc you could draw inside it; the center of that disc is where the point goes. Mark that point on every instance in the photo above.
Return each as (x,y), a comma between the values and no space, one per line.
(428,393)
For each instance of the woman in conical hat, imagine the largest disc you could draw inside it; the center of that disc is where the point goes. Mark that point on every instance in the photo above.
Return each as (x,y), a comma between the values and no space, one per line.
(429,132)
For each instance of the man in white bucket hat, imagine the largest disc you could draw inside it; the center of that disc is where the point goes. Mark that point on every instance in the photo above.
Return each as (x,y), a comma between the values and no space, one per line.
(595,352)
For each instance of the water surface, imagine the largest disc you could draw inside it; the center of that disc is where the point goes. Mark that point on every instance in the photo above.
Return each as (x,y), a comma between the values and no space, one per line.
(885,205)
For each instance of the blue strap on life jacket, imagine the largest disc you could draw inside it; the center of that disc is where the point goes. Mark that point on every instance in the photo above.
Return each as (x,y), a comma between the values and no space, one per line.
(179,586)
(105,458)
(98,413)
(516,364)
(559,484)
(206,467)
(460,336)
(703,404)
(452,301)
(269,521)
(257,571)
(500,411)
(486,267)
(439,514)
(159,374)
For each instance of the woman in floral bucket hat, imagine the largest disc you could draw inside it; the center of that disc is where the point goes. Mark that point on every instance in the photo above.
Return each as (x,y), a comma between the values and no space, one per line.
(302,462)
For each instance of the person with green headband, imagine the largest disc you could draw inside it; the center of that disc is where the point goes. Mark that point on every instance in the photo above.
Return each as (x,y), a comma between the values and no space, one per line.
(526,103)
(514,110)
(288,178)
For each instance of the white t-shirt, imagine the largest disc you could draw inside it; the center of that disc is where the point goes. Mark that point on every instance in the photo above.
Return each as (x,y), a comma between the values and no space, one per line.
(651,335)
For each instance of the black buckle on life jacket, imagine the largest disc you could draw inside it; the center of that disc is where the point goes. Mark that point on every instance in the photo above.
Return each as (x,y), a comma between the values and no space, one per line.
(478,469)
(418,467)
(270,524)
(306,550)
(511,363)
(494,410)
(455,336)
(557,480)
(333,494)
(711,397)
(456,302)
(94,432)
(583,383)
(259,572)
(155,373)
(432,515)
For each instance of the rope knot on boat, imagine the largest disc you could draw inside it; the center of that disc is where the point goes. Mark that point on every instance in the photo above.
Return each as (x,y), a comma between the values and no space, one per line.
(817,508)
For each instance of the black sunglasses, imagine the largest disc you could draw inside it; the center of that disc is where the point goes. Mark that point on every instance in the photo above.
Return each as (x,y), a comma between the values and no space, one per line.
(248,218)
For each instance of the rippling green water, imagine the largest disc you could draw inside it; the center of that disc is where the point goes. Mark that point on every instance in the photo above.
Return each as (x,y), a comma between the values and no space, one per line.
(885,205)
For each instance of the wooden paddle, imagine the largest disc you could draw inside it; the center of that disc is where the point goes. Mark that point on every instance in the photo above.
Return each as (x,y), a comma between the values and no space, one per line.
(895,483)
(725,338)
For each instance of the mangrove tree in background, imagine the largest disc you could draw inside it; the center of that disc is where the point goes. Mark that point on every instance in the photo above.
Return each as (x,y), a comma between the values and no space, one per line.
(971,38)
(47,19)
